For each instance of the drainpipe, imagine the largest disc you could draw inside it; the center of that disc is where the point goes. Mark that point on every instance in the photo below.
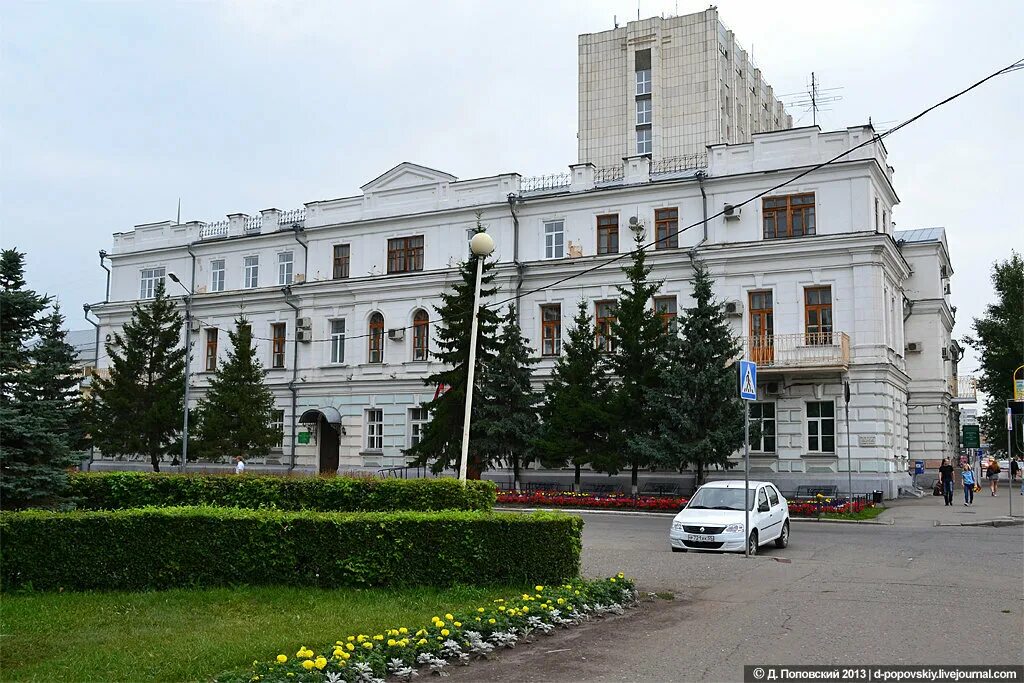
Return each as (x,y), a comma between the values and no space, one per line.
(92,380)
(296,229)
(103,255)
(513,201)
(700,176)
(193,255)
(292,387)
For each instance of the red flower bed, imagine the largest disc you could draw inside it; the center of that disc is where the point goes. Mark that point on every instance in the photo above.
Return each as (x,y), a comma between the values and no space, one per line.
(811,508)
(615,501)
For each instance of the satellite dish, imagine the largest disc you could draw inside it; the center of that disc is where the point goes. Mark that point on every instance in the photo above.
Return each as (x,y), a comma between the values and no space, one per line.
(633,220)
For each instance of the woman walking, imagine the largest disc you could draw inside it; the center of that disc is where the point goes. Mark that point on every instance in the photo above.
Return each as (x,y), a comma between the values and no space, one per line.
(946,481)
(967,477)
(992,472)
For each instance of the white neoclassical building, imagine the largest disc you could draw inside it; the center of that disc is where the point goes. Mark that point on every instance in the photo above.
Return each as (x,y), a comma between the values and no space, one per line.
(341,292)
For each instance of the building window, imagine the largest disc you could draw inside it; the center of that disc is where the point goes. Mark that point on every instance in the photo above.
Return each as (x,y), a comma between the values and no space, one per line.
(608,234)
(285,261)
(643,112)
(338,341)
(789,216)
(643,141)
(878,221)
(604,317)
(764,415)
(469,239)
(643,82)
(150,276)
(420,335)
(211,349)
(762,328)
(252,272)
(277,332)
(374,429)
(665,306)
(277,424)
(341,258)
(405,254)
(418,419)
(885,221)
(666,228)
(554,239)
(217,275)
(821,427)
(376,340)
(818,315)
(551,329)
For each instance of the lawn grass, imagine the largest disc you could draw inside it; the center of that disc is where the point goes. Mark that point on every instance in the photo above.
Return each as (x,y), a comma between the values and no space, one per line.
(192,635)
(866,513)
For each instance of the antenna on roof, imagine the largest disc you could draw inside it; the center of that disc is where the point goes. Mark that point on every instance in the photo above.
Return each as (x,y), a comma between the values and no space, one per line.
(812,99)
(615,20)
(178,222)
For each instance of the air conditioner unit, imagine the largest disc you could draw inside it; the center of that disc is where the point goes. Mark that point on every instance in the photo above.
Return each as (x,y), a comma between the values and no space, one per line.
(945,353)
(914,347)
(731,212)
(298,278)
(304,323)
(733,308)
(396,334)
(304,336)
(195,325)
(772,388)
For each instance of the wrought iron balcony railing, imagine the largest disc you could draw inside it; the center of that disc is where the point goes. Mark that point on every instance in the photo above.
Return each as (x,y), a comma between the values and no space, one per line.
(808,350)
(964,387)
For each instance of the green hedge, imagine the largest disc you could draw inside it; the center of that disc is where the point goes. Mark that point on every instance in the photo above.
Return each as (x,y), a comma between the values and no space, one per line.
(154,548)
(117,490)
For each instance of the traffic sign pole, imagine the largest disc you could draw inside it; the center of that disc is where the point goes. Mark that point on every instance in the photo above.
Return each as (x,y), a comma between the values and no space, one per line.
(748,392)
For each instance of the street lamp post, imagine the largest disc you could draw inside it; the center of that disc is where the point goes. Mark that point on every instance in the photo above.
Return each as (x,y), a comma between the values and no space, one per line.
(481,245)
(849,439)
(188,367)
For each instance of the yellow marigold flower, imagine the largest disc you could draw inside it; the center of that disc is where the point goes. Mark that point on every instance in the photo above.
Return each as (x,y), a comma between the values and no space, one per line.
(421,632)
(307,664)
(378,637)
(561,601)
(577,592)
(392,642)
(350,638)
(448,617)
(479,609)
(501,608)
(569,607)
(491,621)
(445,632)
(403,642)
(458,624)
(350,647)
(478,618)
(403,630)
(345,655)
(368,645)
(526,610)
(538,588)
(435,619)
(612,579)
(320,662)
(361,638)
(421,641)
(621,575)
(282,658)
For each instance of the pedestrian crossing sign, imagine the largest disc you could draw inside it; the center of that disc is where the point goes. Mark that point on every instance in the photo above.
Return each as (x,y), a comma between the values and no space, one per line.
(748,380)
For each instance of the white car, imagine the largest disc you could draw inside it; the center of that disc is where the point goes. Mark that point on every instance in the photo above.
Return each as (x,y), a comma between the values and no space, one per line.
(714,519)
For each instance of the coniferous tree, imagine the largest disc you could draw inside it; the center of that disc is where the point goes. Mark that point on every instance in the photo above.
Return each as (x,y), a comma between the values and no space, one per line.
(137,409)
(575,417)
(639,349)
(441,441)
(18,322)
(508,414)
(696,406)
(236,414)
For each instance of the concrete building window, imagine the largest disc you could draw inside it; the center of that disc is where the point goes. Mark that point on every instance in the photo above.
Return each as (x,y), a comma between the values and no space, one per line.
(665,306)
(604,317)
(285,262)
(666,228)
(374,429)
(764,415)
(818,316)
(418,419)
(420,335)
(554,239)
(643,82)
(148,280)
(762,327)
(885,221)
(551,330)
(338,340)
(789,216)
(608,234)
(405,254)
(211,349)
(821,427)
(376,339)
(277,342)
(643,112)
(643,141)
(341,261)
(252,272)
(217,275)
(277,424)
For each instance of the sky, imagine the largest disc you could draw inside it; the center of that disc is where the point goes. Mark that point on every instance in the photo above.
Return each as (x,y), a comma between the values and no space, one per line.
(111,112)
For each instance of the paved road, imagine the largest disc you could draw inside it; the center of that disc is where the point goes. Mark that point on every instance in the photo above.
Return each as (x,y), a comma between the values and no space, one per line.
(844,594)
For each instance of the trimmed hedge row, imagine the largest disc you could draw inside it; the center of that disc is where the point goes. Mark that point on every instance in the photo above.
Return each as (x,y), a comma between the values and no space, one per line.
(156,548)
(118,490)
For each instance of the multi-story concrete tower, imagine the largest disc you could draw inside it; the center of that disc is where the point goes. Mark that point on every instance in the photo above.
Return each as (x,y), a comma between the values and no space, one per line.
(668,88)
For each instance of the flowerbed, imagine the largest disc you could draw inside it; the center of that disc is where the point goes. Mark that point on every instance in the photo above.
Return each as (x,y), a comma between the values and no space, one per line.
(452,638)
(822,505)
(592,500)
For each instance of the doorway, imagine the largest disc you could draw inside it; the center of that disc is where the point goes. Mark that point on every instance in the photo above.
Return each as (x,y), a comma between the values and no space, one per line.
(762,328)
(328,444)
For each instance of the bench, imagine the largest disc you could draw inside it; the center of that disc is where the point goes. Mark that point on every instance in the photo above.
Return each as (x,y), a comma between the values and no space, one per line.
(813,491)
(660,488)
(601,488)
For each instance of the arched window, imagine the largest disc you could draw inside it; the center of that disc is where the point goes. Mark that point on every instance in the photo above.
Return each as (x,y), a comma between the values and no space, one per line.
(376,350)
(420,335)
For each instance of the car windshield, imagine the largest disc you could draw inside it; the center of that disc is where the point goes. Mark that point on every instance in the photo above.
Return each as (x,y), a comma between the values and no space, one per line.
(716,498)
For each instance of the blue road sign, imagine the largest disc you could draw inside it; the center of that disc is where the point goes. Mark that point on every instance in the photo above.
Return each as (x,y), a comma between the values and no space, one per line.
(748,380)
(919,467)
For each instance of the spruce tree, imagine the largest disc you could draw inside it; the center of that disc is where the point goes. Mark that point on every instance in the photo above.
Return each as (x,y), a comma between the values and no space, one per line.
(236,414)
(137,409)
(441,441)
(639,348)
(19,308)
(575,417)
(508,415)
(697,407)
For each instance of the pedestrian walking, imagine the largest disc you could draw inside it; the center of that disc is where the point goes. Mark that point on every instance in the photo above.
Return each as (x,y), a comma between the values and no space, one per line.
(946,481)
(967,478)
(1014,469)
(992,472)
(239,464)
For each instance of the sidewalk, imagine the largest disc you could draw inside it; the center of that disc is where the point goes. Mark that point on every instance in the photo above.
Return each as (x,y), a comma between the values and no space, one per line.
(930,511)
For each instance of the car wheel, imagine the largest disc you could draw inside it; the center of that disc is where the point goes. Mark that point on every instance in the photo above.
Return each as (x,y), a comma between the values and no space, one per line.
(752,543)
(678,550)
(783,540)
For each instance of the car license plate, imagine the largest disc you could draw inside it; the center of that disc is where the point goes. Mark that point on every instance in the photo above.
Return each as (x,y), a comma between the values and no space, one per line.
(699,538)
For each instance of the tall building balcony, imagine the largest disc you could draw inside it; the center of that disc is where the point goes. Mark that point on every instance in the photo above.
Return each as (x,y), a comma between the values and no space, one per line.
(803,352)
(964,389)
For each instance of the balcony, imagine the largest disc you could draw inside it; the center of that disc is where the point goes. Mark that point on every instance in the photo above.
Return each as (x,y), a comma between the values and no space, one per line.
(963,389)
(809,351)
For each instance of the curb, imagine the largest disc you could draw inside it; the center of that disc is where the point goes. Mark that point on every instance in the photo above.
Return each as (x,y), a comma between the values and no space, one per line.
(871,522)
(669,515)
(987,522)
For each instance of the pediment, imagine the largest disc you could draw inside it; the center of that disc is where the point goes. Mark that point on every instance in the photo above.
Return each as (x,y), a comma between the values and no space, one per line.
(405,175)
